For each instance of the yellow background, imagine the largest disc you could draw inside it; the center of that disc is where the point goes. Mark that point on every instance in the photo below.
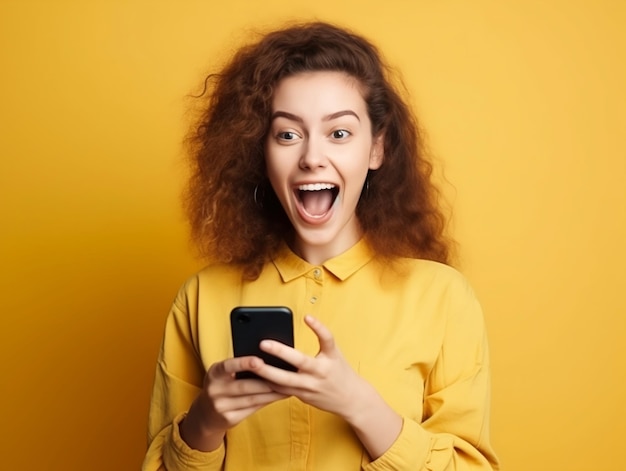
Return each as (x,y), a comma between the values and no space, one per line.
(524,103)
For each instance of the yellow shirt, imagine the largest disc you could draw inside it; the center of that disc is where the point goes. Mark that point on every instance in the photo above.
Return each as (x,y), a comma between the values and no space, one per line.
(414,331)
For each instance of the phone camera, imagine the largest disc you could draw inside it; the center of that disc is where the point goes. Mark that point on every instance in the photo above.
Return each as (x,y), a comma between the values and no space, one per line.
(243,319)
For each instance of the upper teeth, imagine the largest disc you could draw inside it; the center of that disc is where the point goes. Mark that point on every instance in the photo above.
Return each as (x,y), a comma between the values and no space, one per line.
(316,187)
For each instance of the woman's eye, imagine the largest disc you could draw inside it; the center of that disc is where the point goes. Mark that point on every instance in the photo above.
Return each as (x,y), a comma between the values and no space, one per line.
(287,135)
(340,134)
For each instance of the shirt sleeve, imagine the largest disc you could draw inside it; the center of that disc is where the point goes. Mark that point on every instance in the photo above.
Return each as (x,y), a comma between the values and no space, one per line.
(178,379)
(454,432)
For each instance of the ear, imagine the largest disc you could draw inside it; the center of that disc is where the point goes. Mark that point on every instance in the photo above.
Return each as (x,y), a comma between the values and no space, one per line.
(377,153)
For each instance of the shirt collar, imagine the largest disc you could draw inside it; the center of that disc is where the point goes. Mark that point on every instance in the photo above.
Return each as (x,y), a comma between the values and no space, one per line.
(291,266)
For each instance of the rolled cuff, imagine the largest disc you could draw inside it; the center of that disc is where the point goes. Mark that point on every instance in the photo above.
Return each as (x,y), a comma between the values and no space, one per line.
(178,456)
(409,451)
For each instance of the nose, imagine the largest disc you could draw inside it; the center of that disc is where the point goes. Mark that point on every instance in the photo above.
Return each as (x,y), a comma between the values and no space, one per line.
(313,156)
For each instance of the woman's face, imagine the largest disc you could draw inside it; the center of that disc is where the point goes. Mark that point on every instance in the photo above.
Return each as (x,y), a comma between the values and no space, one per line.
(318,152)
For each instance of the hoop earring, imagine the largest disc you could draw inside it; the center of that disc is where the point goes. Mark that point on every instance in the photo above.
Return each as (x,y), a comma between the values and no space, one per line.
(258,198)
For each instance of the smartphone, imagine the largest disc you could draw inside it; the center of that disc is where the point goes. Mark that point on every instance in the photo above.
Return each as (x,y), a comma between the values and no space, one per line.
(249,325)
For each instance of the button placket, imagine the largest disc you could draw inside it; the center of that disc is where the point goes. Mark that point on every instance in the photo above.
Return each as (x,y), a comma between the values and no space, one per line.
(315,283)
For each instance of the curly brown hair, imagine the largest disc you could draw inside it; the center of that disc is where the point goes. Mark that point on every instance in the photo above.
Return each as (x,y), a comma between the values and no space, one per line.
(399,212)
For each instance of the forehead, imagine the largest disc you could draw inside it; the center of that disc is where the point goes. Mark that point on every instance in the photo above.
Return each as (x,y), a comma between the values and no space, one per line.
(315,90)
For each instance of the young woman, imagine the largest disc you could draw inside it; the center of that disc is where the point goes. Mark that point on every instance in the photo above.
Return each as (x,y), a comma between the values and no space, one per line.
(310,190)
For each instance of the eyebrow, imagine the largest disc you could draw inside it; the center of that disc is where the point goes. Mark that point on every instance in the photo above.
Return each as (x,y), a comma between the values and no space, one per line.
(330,117)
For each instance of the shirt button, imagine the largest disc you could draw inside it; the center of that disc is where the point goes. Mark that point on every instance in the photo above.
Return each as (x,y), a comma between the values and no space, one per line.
(317,273)
(313,299)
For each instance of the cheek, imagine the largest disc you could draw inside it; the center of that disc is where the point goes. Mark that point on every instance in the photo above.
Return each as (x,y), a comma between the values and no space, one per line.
(277,175)
(280,162)
(271,164)
(358,166)
(273,177)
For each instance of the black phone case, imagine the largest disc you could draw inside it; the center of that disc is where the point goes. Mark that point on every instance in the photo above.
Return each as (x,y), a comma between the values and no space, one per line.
(250,325)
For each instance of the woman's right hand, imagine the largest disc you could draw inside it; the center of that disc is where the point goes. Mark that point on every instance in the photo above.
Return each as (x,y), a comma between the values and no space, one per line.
(224,401)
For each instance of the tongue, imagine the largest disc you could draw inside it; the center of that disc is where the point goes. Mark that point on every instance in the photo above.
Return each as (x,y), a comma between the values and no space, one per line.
(316,203)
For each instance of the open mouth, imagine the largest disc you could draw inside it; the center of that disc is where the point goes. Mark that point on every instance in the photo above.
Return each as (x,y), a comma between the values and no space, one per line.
(316,199)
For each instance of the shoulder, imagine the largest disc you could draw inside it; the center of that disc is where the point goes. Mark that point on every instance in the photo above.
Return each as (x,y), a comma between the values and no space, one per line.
(214,275)
(442,285)
(212,281)
(219,273)
(436,273)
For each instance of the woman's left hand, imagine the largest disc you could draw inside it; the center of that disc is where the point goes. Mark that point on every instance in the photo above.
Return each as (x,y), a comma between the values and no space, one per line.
(325,381)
